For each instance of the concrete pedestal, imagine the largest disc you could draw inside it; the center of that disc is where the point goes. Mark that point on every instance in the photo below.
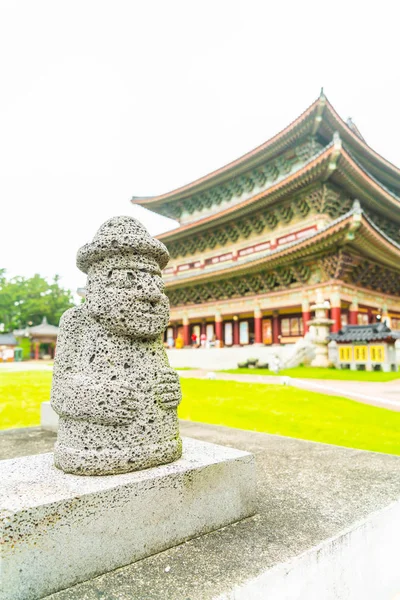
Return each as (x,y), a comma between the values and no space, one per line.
(48,418)
(61,529)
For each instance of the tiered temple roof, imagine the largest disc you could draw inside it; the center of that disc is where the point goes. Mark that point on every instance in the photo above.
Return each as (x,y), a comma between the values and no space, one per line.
(314,203)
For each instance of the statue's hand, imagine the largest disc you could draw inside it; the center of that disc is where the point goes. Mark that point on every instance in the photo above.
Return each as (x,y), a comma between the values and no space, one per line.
(107,401)
(168,388)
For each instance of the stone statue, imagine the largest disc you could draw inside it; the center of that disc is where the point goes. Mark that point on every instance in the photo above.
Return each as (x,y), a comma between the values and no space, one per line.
(113,388)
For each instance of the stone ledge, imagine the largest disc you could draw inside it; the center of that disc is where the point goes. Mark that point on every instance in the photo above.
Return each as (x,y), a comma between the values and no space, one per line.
(48,418)
(61,529)
(326,528)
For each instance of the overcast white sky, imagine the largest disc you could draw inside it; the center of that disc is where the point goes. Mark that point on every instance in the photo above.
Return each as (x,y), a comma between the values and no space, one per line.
(102,100)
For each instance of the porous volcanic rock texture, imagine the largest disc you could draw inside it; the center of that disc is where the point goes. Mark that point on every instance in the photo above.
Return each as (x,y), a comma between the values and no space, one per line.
(113,388)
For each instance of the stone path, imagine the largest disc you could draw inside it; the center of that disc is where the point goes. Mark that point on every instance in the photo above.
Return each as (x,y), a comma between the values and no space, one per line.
(382,394)
(30,365)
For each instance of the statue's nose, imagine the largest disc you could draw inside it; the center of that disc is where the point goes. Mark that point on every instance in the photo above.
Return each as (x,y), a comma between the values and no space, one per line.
(147,288)
(154,294)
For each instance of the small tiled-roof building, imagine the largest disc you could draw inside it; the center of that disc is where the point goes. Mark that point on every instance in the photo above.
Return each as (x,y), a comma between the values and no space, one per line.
(314,208)
(366,333)
(8,343)
(8,339)
(369,347)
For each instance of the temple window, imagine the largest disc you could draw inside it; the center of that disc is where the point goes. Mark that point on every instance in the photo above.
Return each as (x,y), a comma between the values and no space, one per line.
(292,326)
(244,332)
(395,324)
(362,319)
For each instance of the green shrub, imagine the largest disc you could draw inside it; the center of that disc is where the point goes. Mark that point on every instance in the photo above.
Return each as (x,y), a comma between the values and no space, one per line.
(25,344)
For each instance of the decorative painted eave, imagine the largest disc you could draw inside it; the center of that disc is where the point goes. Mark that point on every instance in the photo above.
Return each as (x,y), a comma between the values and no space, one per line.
(352,230)
(301,127)
(333,162)
(318,168)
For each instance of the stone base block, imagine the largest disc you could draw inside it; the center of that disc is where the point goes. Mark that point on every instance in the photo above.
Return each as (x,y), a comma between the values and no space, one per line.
(48,418)
(60,529)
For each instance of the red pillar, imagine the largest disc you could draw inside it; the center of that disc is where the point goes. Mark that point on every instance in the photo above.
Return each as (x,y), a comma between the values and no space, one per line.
(258,326)
(186,332)
(353,312)
(275,327)
(203,328)
(236,336)
(353,317)
(218,328)
(37,347)
(335,315)
(336,311)
(306,315)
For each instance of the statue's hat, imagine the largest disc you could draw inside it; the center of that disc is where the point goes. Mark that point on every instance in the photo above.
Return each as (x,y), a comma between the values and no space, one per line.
(121,234)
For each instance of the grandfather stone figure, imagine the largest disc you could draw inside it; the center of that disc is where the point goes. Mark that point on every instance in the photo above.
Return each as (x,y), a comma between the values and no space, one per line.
(113,388)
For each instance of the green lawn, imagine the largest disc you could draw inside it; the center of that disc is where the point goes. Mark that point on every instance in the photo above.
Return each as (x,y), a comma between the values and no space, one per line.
(291,412)
(321,373)
(21,394)
(270,408)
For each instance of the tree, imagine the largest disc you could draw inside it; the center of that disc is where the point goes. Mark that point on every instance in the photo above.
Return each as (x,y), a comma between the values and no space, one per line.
(25,301)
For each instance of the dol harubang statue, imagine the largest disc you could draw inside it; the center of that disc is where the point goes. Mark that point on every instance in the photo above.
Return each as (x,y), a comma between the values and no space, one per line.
(113,388)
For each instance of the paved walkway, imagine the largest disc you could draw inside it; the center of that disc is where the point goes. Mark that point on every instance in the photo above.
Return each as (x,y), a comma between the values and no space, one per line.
(382,394)
(28,365)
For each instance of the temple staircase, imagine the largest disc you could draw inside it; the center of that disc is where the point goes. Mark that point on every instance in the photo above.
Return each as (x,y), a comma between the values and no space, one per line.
(303,351)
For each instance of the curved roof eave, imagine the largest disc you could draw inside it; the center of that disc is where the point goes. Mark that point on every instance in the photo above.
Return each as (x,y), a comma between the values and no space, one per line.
(236,167)
(374,188)
(320,112)
(361,146)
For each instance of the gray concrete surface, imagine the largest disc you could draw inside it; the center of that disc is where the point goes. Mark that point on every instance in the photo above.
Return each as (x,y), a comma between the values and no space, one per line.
(25,441)
(308,493)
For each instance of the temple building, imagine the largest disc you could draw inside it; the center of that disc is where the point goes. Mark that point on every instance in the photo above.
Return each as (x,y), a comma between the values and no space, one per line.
(314,208)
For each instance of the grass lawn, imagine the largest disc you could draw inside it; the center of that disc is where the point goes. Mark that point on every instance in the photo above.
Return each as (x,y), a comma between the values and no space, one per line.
(291,412)
(270,408)
(321,373)
(21,394)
